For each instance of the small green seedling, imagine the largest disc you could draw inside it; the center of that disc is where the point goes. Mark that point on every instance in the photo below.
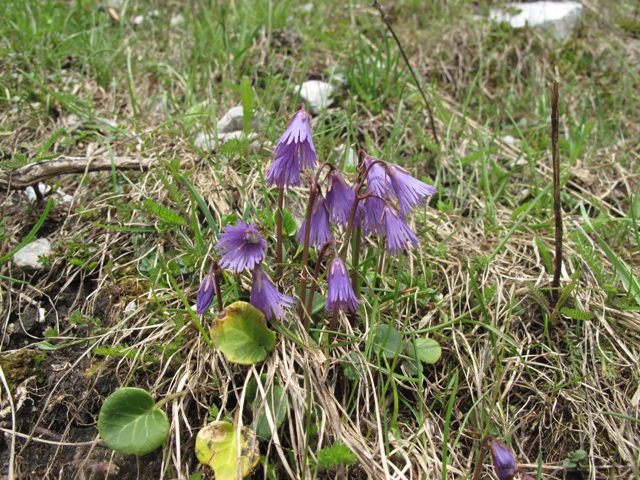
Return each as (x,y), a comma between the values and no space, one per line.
(576,460)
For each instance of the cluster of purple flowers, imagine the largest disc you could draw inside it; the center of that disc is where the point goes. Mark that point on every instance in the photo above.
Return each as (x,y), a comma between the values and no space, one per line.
(242,248)
(391,193)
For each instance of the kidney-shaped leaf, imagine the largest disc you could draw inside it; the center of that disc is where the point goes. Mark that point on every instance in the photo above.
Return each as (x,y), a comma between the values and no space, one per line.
(129,422)
(386,341)
(241,333)
(217,446)
(427,350)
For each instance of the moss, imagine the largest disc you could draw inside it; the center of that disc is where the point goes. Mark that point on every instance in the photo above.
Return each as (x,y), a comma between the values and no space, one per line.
(18,365)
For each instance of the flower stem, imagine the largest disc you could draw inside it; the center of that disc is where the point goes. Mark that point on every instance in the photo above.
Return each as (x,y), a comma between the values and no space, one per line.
(217,275)
(279,237)
(304,315)
(316,273)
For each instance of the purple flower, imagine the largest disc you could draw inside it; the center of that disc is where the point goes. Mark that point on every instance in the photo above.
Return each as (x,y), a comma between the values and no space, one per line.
(241,247)
(503,460)
(294,152)
(411,192)
(205,294)
(340,198)
(340,293)
(320,232)
(373,209)
(398,232)
(377,179)
(266,297)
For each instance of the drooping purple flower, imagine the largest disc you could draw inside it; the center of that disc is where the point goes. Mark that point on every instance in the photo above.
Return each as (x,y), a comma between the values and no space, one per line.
(503,460)
(266,297)
(411,192)
(241,247)
(398,232)
(340,198)
(320,232)
(205,294)
(340,294)
(294,152)
(373,210)
(377,179)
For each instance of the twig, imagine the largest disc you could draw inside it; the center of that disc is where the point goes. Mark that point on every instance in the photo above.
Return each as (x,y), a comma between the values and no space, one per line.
(557,206)
(36,172)
(387,22)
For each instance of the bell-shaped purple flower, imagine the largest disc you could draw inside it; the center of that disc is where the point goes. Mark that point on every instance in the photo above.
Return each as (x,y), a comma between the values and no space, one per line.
(205,294)
(373,222)
(503,460)
(340,198)
(241,247)
(340,294)
(398,232)
(294,152)
(377,179)
(266,297)
(320,232)
(411,192)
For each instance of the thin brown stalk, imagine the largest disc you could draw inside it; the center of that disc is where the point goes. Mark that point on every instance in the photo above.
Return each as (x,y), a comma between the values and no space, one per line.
(387,22)
(279,237)
(557,206)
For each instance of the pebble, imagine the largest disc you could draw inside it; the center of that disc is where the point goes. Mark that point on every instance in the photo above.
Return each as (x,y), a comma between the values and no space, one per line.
(559,17)
(317,95)
(27,257)
(232,121)
(177,20)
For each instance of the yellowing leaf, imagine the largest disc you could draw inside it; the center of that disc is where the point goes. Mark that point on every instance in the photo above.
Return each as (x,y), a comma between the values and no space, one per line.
(241,333)
(217,446)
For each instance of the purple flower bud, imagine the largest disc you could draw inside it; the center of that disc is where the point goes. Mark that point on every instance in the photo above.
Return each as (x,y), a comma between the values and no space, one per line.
(340,198)
(293,153)
(398,233)
(340,294)
(266,297)
(205,294)
(503,460)
(241,247)
(320,232)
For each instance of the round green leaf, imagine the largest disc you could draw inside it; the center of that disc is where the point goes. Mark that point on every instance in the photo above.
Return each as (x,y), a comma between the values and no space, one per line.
(217,446)
(427,350)
(241,333)
(129,422)
(386,341)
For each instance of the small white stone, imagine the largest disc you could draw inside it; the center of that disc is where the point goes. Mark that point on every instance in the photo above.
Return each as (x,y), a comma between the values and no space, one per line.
(232,121)
(131,307)
(42,314)
(138,19)
(509,140)
(27,257)
(72,122)
(306,8)
(177,20)
(114,3)
(350,163)
(560,17)
(316,94)
(31,193)
(205,141)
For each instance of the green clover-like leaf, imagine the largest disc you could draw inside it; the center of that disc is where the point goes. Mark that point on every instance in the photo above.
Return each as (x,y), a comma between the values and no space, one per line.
(129,422)
(241,333)
(427,350)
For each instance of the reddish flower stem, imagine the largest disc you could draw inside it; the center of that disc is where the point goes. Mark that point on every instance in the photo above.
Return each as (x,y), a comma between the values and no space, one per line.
(279,238)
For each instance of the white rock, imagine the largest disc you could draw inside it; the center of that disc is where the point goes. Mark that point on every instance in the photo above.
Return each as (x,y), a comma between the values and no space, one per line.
(509,140)
(31,193)
(72,122)
(559,17)
(27,257)
(138,19)
(232,121)
(114,3)
(316,94)
(131,307)
(347,161)
(206,141)
(177,20)
(306,8)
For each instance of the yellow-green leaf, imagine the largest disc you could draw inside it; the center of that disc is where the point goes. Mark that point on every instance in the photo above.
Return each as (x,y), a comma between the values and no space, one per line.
(217,446)
(241,333)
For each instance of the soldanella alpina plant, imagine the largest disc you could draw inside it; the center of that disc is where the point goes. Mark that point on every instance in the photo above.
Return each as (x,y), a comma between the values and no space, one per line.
(338,215)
